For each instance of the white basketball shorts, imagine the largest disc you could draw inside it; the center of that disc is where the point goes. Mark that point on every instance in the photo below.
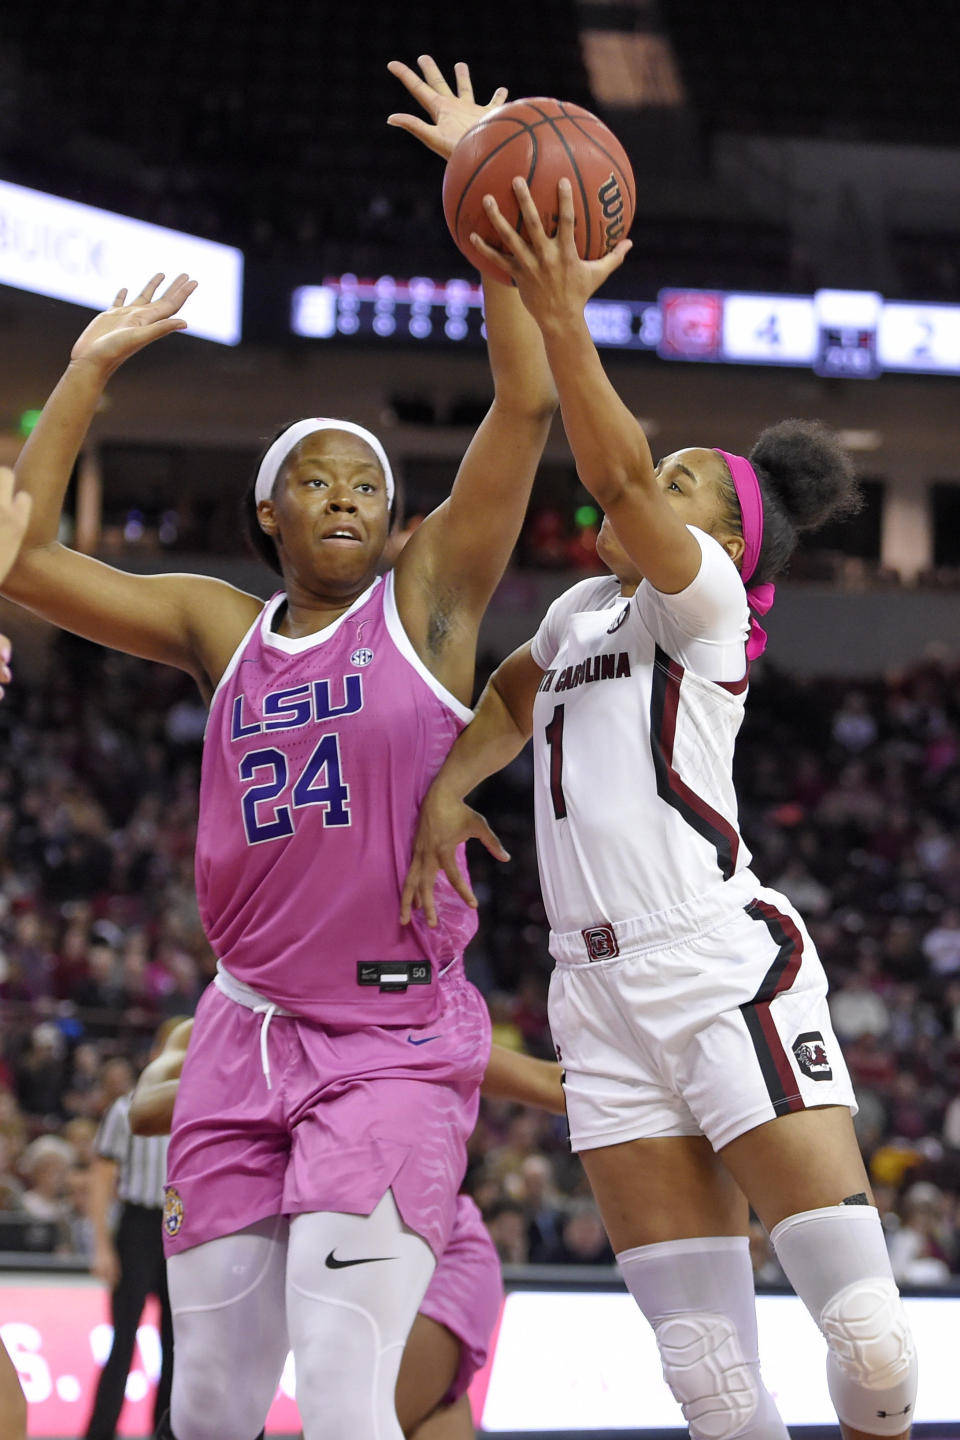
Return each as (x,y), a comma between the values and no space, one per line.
(706,1019)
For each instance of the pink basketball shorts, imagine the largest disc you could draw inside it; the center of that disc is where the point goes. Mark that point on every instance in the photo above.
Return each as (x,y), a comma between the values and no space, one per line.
(281,1116)
(466,1292)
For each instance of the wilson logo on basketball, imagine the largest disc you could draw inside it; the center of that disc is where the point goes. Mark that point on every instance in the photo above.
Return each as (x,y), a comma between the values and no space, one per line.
(610,200)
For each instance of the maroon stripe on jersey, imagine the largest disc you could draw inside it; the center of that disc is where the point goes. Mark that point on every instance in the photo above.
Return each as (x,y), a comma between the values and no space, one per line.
(777,1072)
(736,687)
(664,703)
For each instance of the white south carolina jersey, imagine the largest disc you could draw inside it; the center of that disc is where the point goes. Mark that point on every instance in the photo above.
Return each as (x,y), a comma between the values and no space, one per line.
(634,729)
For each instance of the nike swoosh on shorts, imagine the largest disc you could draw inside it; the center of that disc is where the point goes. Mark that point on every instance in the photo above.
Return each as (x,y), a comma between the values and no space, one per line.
(425,1041)
(332,1263)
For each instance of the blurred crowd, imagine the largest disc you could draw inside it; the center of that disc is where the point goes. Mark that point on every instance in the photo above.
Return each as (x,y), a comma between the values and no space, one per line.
(850,801)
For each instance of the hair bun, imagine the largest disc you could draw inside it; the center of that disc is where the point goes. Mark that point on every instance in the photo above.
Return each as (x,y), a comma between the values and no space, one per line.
(808,472)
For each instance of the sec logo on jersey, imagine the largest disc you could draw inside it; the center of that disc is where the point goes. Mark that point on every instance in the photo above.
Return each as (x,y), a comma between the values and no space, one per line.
(361,657)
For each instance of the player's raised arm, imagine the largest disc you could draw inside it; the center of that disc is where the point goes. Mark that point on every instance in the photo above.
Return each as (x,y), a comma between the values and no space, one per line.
(452,565)
(151,616)
(497,733)
(609,446)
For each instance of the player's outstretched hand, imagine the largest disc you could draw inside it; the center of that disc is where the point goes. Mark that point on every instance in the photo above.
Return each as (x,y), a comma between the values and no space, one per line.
(128,326)
(554,283)
(445,822)
(452,115)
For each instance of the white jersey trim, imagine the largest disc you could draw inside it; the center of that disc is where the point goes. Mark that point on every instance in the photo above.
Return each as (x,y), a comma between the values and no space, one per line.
(305,642)
(404,644)
(232,664)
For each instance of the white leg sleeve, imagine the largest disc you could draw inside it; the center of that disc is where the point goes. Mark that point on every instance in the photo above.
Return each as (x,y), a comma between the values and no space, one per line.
(230,1332)
(354,1284)
(836,1260)
(698,1296)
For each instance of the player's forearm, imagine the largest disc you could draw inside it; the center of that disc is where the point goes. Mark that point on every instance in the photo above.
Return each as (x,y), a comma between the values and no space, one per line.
(101,1194)
(151,1109)
(518,361)
(490,741)
(608,443)
(47,459)
(521,1078)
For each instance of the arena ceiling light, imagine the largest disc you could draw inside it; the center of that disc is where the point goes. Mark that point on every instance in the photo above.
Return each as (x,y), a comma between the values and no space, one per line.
(56,247)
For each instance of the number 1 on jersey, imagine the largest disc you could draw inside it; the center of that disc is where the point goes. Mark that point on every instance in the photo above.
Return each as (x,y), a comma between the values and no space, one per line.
(554,734)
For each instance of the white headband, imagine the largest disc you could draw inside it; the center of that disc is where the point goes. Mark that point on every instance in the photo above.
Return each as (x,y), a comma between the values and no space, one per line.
(299,430)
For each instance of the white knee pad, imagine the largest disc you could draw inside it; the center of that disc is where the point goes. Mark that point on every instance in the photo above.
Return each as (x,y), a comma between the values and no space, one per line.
(836,1260)
(698,1296)
(872,1365)
(704,1365)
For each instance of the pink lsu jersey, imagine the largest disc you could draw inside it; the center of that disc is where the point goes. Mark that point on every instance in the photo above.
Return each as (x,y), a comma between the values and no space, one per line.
(318,752)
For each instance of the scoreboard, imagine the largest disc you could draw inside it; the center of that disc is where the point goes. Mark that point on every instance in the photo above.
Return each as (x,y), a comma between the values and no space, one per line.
(851,334)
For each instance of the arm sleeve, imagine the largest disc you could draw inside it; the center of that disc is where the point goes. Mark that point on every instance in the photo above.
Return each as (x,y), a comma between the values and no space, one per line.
(706,625)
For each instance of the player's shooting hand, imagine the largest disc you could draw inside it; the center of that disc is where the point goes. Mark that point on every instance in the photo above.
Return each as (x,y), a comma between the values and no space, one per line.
(452,115)
(445,822)
(128,326)
(554,283)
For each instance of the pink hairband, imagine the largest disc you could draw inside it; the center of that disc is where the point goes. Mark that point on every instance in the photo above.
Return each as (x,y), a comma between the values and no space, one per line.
(759,597)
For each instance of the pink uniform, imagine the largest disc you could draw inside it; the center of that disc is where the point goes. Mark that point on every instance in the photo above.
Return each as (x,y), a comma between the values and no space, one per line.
(339,1054)
(466,1293)
(317,755)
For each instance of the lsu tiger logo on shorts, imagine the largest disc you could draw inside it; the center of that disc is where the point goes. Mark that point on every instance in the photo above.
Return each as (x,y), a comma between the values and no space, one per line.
(811,1054)
(172,1212)
(601,942)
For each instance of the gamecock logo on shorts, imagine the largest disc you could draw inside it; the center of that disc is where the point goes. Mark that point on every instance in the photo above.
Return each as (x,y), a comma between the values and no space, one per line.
(811,1055)
(172,1212)
(601,942)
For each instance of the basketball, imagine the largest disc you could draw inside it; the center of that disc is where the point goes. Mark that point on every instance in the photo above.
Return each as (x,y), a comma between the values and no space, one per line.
(541,140)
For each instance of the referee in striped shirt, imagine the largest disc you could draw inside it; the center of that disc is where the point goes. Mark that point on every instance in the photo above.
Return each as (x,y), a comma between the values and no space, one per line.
(130,1169)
